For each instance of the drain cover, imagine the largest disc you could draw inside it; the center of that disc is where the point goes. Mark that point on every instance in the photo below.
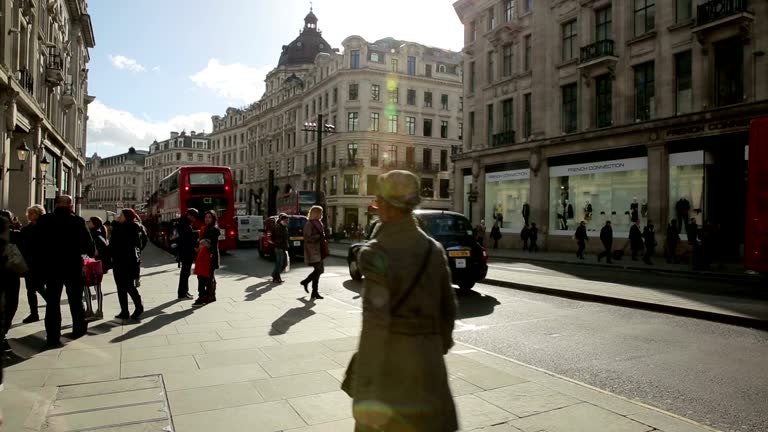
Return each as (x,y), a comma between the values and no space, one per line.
(127,405)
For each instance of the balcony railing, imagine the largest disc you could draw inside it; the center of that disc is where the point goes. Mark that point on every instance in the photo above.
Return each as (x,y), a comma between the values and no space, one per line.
(374,162)
(27,81)
(350,163)
(503,138)
(596,50)
(427,167)
(351,191)
(312,169)
(334,191)
(715,9)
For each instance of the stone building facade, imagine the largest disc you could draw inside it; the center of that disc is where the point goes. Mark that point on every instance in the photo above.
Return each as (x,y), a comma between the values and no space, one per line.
(114,182)
(164,157)
(229,147)
(43,100)
(394,104)
(596,110)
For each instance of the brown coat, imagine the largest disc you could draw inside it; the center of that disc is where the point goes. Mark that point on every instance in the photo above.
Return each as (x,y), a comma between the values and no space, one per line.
(312,244)
(400,369)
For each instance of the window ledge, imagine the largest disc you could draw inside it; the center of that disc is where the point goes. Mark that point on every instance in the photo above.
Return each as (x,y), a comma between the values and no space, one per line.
(684,24)
(567,63)
(649,35)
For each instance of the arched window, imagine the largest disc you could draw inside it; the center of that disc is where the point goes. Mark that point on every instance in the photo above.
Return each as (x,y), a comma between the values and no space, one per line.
(441,68)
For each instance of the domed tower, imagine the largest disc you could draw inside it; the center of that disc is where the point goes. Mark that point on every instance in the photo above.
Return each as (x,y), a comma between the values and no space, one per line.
(307,46)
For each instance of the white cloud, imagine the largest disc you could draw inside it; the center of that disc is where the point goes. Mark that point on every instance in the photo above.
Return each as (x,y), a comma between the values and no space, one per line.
(155,68)
(112,131)
(236,82)
(123,62)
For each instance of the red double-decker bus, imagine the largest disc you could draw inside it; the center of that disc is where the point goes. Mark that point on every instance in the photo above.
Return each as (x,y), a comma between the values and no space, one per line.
(756,236)
(200,187)
(296,202)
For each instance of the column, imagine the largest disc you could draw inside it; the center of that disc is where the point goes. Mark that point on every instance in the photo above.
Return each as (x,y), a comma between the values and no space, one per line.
(658,187)
(539,201)
(4,147)
(38,152)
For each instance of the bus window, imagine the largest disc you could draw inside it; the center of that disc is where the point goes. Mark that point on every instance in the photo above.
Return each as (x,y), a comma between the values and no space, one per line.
(206,178)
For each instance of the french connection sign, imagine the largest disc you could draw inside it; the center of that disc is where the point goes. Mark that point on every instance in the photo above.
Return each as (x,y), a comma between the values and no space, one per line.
(618,165)
(502,176)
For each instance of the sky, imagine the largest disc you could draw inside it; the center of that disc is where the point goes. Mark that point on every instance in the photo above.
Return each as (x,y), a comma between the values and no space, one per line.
(169,65)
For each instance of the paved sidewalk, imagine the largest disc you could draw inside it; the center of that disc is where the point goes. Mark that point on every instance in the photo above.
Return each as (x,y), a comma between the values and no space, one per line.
(264,358)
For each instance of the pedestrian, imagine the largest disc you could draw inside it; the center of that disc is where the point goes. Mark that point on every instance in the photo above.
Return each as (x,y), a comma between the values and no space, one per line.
(480,232)
(635,239)
(673,238)
(108,228)
(581,239)
(125,249)
(525,235)
(398,379)
(606,237)
(99,236)
(67,240)
(280,239)
(11,279)
(534,237)
(185,249)
(32,249)
(315,250)
(496,234)
(649,237)
(206,286)
(4,234)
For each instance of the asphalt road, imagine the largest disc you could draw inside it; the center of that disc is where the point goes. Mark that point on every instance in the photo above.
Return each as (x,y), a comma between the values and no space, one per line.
(713,373)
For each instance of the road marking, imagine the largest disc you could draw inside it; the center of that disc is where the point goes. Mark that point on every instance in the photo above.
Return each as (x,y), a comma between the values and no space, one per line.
(516,268)
(463,352)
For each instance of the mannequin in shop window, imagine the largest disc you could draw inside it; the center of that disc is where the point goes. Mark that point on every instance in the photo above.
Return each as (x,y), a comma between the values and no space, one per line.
(588,212)
(644,209)
(526,213)
(682,208)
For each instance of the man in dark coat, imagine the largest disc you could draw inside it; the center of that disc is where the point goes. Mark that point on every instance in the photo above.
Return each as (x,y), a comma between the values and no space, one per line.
(606,237)
(581,239)
(673,238)
(649,236)
(185,248)
(635,239)
(534,237)
(67,240)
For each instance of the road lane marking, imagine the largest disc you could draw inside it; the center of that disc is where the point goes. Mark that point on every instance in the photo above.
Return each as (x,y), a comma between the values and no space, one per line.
(516,268)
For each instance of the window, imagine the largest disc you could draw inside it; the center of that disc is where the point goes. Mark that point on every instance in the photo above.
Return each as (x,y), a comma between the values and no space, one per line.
(374,155)
(410,157)
(427,188)
(353,90)
(461,103)
(374,126)
(491,66)
(411,99)
(427,127)
(509,10)
(390,155)
(354,60)
(443,160)
(471,77)
(527,115)
(473,31)
(351,184)
(410,125)
(392,124)
(645,16)
(683,10)
(644,91)
(428,99)
(527,53)
(683,87)
(394,96)
(444,101)
(569,40)
(411,65)
(471,127)
(375,57)
(604,98)
(393,64)
(491,19)
(489,124)
(461,130)
(335,95)
(603,23)
(444,129)
(352,151)
(375,92)
(441,68)
(729,71)
(352,121)
(428,70)
(507,60)
(569,108)
(507,110)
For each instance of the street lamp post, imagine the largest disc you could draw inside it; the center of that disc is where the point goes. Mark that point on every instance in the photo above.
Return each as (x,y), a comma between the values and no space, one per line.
(320,128)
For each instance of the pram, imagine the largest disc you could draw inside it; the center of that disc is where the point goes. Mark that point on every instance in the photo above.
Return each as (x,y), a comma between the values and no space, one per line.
(93,274)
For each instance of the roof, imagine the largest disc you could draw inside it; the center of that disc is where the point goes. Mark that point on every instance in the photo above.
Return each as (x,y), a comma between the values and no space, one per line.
(307,46)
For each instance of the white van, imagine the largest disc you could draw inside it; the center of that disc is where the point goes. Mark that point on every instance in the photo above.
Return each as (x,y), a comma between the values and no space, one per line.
(249,228)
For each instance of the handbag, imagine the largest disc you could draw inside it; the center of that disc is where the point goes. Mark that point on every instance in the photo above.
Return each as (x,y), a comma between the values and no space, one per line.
(349,375)
(16,262)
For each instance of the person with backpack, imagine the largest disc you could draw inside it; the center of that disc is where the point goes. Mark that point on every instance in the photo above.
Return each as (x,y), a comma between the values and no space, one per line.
(125,246)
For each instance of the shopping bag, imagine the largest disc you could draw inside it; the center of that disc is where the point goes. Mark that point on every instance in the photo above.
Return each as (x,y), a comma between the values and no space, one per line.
(15,263)
(287,267)
(93,272)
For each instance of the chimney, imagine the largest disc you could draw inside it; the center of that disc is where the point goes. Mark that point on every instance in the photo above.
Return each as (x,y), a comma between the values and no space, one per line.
(174,135)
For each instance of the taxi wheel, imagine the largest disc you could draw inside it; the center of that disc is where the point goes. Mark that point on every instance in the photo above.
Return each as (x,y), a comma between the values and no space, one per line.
(466,286)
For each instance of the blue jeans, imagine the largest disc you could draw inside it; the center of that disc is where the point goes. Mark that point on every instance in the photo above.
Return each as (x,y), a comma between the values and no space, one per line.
(279,263)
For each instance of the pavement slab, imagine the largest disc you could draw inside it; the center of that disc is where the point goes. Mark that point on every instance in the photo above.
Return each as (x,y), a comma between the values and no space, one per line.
(264,417)
(181,379)
(296,385)
(213,398)
(527,399)
(323,408)
(474,412)
(230,358)
(298,366)
(582,417)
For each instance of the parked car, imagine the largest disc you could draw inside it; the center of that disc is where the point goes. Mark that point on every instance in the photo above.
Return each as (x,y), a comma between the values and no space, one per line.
(467,259)
(295,236)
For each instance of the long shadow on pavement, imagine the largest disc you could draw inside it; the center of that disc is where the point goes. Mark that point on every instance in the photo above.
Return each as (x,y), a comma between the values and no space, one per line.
(253,292)
(160,320)
(292,316)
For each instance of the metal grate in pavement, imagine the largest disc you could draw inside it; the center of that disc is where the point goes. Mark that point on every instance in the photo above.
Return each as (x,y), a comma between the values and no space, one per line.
(126,405)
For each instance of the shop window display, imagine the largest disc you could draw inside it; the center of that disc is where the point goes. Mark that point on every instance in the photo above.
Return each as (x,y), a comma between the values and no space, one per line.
(598,192)
(506,199)
(686,189)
